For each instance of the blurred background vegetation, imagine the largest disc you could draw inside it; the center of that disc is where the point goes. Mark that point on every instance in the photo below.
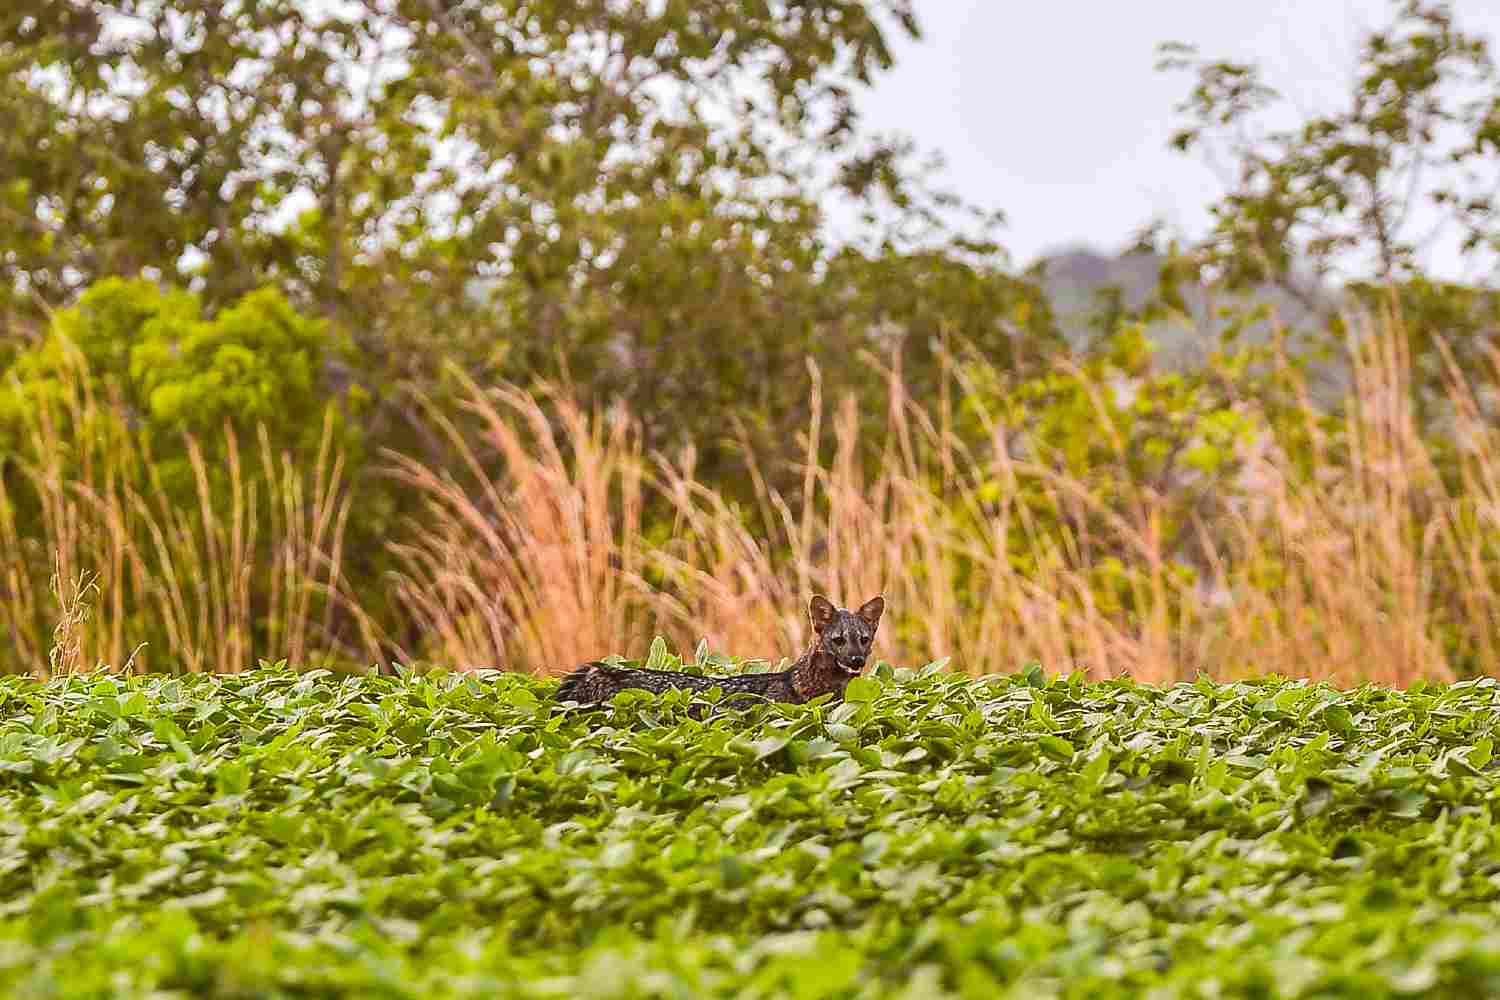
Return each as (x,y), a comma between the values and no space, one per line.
(501,333)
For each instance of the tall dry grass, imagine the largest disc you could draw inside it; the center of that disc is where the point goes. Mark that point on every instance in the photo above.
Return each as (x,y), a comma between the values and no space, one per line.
(1371,568)
(247,569)
(1365,556)
(534,567)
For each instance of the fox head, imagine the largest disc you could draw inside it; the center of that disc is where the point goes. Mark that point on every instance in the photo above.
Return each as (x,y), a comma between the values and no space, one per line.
(846,635)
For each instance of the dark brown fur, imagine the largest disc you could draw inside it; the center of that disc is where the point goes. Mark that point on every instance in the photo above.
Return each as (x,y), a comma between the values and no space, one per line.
(839,651)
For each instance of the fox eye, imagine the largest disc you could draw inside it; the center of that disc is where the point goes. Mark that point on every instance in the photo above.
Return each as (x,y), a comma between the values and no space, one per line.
(838,640)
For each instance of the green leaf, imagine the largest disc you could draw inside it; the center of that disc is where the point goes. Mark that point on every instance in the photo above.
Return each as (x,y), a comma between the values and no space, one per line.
(170,733)
(658,658)
(1056,747)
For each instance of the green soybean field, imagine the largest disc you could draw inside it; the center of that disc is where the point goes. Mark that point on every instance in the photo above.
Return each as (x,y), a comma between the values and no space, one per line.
(284,834)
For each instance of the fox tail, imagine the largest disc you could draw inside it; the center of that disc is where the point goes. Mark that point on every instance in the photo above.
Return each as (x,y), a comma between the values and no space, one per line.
(590,684)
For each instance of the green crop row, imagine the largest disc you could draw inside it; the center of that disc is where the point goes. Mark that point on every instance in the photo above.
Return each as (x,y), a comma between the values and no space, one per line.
(273,834)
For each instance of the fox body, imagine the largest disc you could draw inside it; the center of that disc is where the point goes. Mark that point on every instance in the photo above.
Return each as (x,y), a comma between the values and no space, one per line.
(839,652)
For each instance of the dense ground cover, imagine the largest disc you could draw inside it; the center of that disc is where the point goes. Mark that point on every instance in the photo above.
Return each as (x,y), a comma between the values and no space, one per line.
(277,834)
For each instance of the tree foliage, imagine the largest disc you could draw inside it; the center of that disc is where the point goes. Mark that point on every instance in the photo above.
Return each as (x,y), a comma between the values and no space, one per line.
(170,371)
(631,197)
(1353,192)
(1352,206)
(441,142)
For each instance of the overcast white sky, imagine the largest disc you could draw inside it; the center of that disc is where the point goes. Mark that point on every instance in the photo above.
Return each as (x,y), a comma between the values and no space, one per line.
(1053,112)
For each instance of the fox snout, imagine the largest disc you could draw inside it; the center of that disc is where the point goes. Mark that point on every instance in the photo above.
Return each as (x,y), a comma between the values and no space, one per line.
(854,664)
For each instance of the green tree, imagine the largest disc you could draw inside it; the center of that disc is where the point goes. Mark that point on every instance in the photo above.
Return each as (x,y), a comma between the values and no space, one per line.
(429,144)
(627,195)
(1353,202)
(165,370)
(1355,191)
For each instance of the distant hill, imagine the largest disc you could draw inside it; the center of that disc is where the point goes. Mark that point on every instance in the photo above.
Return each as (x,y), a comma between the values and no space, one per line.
(1074,278)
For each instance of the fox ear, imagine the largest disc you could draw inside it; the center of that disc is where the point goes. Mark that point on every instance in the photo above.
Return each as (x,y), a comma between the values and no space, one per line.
(872,610)
(822,612)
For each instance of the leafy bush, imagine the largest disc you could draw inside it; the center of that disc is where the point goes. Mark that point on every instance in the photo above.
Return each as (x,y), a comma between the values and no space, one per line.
(275,834)
(172,371)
